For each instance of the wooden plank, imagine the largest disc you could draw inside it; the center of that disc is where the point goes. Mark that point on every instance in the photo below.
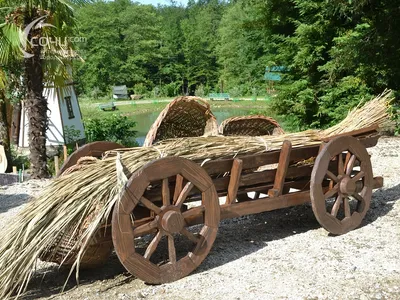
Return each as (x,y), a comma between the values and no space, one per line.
(56,164)
(65,151)
(355,133)
(221,166)
(282,170)
(370,141)
(233,186)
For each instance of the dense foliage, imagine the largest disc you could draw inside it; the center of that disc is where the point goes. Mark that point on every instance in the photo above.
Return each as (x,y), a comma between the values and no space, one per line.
(114,128)
(334,53)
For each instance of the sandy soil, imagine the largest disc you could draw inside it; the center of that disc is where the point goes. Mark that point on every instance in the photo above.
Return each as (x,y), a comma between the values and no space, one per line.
(283,254)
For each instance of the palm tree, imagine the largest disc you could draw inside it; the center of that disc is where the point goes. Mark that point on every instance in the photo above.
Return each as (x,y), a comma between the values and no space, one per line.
(4,134)
(22,32)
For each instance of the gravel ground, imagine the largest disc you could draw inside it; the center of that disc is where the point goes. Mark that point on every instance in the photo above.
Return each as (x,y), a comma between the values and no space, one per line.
(283,254)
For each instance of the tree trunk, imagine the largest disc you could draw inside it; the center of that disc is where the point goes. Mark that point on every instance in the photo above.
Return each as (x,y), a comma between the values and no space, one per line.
(36,106)
(4,134)
(15,123)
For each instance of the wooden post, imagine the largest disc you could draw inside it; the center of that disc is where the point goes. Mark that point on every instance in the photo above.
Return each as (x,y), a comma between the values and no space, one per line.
(233,187)
(56,165)
(15,170)
(283,165)
(76,146)
(65,152)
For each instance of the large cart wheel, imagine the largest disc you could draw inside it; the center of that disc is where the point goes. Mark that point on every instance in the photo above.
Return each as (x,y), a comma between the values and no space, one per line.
(168,223)
(95,149)
(342,171)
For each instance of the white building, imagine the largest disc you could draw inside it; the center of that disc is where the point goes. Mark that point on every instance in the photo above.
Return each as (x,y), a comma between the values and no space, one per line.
(65,118)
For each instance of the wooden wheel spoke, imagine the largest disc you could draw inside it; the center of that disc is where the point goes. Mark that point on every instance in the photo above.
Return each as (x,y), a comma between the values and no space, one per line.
(350,164)
(153,245)
(358,197)
(340,164)
(332,176)
(183,195)
(150,205)
(359,175)
(171,249)
(336,205)
(178,187)
(145,228)
(346,205)
(332,192)
(166,197)
(190,235)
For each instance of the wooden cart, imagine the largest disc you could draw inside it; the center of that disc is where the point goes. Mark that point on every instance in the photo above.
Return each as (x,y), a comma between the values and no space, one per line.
(165,199)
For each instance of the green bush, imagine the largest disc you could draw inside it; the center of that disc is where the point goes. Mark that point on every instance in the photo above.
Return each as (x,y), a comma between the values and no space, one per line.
(140,89)
(113,128)
(170,89)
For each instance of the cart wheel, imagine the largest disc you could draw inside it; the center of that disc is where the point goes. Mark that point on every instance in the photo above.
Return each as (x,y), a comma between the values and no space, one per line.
(168,224)
(95,149)
(342,171)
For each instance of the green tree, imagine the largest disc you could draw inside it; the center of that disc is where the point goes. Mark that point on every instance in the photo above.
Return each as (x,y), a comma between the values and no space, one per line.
(338,54)
(200,30)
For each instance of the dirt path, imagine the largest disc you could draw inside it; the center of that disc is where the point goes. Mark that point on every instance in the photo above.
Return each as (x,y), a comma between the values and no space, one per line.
(283,254)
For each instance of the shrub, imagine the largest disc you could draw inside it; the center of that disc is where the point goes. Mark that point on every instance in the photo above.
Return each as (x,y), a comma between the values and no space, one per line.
(113,128)
(200,92)
(140,89)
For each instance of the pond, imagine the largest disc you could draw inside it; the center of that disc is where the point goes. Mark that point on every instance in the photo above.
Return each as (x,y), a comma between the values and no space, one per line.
(144,121)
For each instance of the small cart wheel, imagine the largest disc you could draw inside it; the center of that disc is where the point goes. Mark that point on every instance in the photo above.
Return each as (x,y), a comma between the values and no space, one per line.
(95,149)
(342,171)
(169,222)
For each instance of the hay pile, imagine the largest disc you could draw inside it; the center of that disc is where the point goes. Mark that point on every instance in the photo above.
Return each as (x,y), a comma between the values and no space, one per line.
(93,190)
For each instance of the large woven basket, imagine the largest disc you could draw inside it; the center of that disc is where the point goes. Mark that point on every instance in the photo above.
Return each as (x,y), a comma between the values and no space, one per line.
(65,249)
(183,117)
(250,126)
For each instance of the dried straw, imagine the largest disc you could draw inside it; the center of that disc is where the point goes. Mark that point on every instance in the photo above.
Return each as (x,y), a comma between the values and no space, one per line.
(93,190)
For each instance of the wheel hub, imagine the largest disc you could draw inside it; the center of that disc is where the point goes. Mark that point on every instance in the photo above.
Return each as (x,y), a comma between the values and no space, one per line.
(172,222)
(347,186)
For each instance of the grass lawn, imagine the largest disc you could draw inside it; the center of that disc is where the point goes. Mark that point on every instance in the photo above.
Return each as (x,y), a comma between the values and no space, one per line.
(90,108)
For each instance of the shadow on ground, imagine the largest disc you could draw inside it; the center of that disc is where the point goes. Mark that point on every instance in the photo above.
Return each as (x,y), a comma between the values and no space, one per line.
(236,238)
(8,202)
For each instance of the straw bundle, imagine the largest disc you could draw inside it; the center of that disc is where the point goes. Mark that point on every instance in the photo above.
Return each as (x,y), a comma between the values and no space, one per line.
(92,191)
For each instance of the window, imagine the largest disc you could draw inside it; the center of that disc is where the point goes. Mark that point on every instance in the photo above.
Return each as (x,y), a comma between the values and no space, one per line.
(69,107)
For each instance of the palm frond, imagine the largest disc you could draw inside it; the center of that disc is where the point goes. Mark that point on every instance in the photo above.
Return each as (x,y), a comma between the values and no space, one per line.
(3,79)
(10,46)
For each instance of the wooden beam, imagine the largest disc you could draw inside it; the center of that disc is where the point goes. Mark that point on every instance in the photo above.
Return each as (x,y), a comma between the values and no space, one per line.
(56,164)
(281,172)
(355,133)
(65,151)
(233,186)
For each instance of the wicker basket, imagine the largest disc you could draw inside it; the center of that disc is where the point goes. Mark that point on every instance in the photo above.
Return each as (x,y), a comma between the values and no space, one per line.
(65,249)
(183,117)
(250,126)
